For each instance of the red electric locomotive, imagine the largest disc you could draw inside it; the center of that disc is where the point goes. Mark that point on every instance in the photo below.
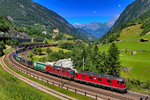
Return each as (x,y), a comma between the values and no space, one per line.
(66,72)
(103,80)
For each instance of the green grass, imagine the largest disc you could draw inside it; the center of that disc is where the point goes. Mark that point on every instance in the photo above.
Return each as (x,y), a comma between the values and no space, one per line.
(11,88)
(140,62)
(37,57)
(6,51)
(54,49)
(68,36)
(64,91)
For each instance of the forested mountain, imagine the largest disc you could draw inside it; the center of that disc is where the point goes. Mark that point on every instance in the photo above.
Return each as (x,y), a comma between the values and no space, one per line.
(136,13)
(97,29)
(132,11)
(27,12)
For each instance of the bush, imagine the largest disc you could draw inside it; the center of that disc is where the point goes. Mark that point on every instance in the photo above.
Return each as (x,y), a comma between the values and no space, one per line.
(147,85)
(145,26)
(29,55)
(68,46)
(132,83)
(55,56)
(48,50)
(39,51)
(1,48)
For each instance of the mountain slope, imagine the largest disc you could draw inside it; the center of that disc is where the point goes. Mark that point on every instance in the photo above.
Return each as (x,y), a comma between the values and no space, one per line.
(134,10)
(95,28)
(26,12)
(137,63)
(136,13)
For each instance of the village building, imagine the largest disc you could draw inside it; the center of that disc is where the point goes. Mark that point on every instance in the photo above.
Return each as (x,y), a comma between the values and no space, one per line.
(44,32)
(118,40)
(55,32)
(144,40)
(78,41)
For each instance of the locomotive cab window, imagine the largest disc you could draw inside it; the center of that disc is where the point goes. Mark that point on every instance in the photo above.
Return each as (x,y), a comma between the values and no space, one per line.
(63,71)
(77,75)
(90,77)
(99,79)
(117,82)
(83,76)
(108,81)
(53,69)
(70,73)
(122,83)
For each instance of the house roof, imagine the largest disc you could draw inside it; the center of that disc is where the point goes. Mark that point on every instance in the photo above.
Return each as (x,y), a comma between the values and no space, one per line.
(118,39)
(55,30)
(144,39)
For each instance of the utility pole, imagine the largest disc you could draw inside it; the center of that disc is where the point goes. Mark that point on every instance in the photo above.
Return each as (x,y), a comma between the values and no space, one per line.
(47,57)
(83,63)
(29,54)
(26,63)
(61,75)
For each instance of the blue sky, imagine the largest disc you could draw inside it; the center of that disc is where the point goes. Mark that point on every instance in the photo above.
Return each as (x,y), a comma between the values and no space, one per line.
(85,11)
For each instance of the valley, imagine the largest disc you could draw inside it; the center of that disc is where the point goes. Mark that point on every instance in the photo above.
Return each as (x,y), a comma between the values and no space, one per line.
(109,59)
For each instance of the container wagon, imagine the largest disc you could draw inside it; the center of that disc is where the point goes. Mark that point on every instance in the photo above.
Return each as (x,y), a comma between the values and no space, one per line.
(41,66)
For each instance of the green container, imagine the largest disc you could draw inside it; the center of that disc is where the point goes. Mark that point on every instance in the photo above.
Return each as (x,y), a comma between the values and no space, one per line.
(40,66)
(18,58)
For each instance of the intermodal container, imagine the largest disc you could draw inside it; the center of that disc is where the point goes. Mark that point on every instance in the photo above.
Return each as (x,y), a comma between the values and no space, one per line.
(14,55)
(22,60)
(18,58)
(41,66)
(28,62)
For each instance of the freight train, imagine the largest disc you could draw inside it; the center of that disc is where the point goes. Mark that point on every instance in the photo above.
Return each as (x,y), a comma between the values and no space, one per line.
(97,79)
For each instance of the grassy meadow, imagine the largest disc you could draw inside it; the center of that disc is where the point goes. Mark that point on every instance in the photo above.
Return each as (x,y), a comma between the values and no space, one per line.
(138,64)
(11,88)
(54,49)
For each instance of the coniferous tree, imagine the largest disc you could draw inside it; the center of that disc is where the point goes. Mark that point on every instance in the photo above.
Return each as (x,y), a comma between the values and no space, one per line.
(101,62)
(1,50)
(2,44)
(112,61)
(8,42)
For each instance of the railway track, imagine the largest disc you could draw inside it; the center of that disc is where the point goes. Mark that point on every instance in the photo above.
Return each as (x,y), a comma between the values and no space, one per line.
(101,93)
(35,84)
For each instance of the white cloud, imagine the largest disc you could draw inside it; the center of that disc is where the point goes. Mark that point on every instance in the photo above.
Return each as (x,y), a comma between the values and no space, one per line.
(119,5)
(94,12)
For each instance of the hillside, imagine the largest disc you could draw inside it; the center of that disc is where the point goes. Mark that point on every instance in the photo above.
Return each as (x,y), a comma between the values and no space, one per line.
(134,10)
(26,12)
(96,29)
(136,13)
(137,65)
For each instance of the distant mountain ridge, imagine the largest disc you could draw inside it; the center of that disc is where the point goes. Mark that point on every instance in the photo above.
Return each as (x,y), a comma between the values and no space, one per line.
(95,28)
(27,12)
